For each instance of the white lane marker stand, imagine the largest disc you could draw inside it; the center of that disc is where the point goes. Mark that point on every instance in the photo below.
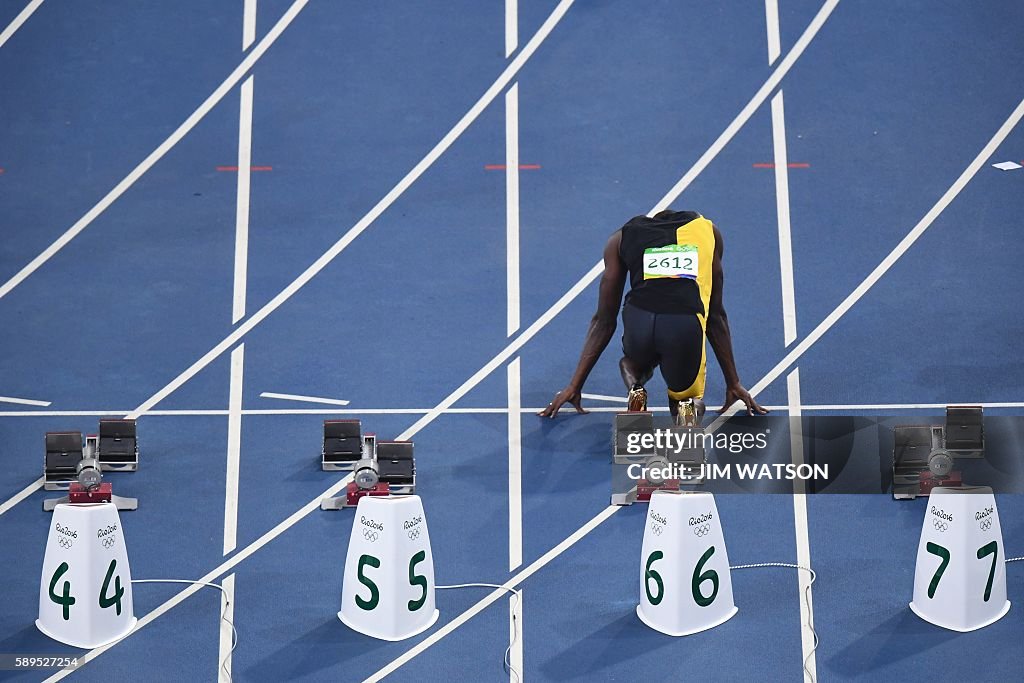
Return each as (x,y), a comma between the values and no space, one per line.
(685,584)
(85,592)
(388,589)
(1007,166)
(960,579)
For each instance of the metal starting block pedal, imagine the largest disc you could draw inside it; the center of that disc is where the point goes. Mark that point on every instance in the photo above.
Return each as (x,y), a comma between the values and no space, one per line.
(345,445)
(117,447)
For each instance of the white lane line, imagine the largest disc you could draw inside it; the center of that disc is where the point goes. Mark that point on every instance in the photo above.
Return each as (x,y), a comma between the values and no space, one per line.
(602,397)
(16,23)
(225,645)
(511,27)
(307,399)
(242,200)
(771,15)
(24,401)
(512,207)
(512,324)
(248,25)
(803,541)
(234,449)
(194,118)
(894,255)
(426,162)
(515,474)
(752,106)
(227,610)
(497,594)
(833,407)
(21,495)
(515,516)
(782,211)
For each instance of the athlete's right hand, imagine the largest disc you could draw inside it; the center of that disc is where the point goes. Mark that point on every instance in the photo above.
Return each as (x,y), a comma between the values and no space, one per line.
(569,395)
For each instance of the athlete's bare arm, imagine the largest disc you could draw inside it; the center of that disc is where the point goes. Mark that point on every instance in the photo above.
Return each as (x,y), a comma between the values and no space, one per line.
(721,339)
(602,327)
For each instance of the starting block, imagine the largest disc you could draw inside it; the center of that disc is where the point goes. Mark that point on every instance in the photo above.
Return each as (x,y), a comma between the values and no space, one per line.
(960,578)
(85,592)
(79,471)
(632,453)
(388,588)
(386,468)
(924,455)
(685,584)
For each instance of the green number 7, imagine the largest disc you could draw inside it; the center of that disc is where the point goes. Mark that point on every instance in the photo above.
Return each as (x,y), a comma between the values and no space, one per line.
(993,550)
(936,549)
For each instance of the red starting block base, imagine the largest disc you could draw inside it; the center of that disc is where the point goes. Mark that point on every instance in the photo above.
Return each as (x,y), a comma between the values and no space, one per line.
(354,493)
(928,481)
(644,489)
(79,494)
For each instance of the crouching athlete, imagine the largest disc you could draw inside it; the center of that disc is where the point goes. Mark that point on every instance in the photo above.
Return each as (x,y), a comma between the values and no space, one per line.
(674,264)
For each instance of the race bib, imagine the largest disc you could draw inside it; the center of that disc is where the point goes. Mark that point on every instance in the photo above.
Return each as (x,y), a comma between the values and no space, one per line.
(675,260)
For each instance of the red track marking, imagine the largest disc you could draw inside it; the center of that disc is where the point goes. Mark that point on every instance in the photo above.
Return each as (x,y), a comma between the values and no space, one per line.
(251,168)
(792,164)
(522,167)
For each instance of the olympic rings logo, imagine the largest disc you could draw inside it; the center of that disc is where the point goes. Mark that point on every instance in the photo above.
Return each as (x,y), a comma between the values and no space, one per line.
(985,524)
(65,543)
(413,534)
(656,529)
(702,530)
(939,524)
(108,542)
(370,535)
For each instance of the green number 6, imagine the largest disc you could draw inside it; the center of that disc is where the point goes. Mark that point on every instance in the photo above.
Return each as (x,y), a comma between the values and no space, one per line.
(652,574)
(700,577)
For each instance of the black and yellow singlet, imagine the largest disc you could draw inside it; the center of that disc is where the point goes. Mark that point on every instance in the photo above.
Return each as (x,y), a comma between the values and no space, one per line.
(669,259)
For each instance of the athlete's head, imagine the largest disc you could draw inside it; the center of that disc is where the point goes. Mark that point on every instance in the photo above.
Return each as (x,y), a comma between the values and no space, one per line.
(664,214)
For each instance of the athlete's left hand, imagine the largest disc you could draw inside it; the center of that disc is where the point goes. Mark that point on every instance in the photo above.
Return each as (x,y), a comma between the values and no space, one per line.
(738,393)
(569,395)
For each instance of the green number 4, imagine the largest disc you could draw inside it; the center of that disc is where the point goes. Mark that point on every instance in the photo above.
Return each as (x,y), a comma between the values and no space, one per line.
(115,599)
(65,600)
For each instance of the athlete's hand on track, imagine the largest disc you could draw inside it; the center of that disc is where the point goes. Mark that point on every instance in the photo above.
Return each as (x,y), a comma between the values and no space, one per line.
(738,393)
(569,395)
